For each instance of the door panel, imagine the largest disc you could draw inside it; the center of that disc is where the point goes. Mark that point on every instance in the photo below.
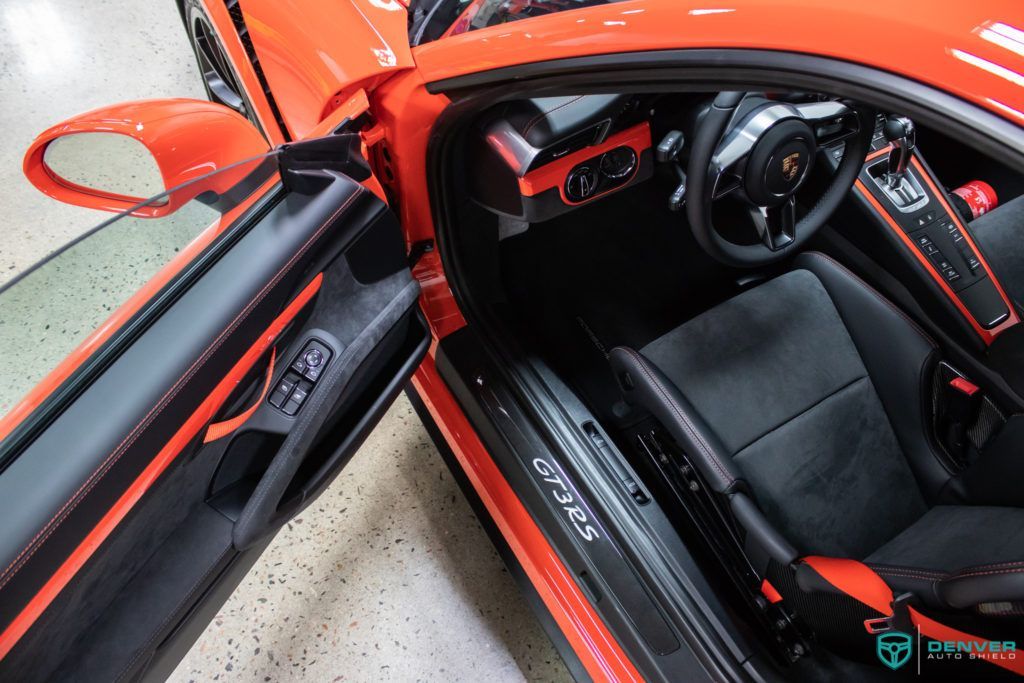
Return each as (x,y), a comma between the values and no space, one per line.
(120,522)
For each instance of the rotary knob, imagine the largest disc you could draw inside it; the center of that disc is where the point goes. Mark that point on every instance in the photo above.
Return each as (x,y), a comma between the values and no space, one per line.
(581,183)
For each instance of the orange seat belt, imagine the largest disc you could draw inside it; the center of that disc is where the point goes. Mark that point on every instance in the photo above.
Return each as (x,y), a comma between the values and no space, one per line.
(864,585)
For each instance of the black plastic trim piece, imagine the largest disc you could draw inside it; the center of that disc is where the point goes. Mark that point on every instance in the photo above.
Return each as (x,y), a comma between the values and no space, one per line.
(485,394)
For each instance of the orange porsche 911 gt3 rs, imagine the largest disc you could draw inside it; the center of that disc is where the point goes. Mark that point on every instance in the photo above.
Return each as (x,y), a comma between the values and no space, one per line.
(712,309)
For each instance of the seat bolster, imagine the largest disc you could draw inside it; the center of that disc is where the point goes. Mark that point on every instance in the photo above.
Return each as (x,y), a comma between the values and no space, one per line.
(921,582)
(899,357)
(966,588)
(643,384)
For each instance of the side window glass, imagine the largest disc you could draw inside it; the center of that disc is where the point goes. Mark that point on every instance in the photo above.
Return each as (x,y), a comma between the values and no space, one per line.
(56,314)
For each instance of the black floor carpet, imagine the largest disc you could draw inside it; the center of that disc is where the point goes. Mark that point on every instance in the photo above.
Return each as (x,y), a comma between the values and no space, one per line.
(622,271)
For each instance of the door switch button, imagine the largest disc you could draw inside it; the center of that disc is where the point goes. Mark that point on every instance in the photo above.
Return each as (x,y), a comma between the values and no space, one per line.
(278,398)
(294,388)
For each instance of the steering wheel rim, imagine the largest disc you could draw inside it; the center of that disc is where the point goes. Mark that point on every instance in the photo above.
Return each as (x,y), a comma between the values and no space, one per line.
(703,174)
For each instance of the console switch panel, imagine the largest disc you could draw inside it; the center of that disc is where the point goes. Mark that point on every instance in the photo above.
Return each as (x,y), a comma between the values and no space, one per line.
(968,255)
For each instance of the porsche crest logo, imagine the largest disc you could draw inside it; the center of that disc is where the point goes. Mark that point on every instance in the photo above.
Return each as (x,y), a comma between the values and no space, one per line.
(791,166)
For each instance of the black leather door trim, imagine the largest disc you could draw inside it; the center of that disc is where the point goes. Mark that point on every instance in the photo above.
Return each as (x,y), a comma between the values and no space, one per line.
(53,495)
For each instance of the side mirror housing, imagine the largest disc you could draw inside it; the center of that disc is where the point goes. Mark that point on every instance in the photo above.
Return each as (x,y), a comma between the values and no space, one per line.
(187,139)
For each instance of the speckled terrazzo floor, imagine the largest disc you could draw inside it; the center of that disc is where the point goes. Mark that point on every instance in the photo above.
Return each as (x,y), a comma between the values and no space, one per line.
(387,576)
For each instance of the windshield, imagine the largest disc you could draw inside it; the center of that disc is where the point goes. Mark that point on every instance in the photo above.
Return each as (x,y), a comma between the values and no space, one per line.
(433,19)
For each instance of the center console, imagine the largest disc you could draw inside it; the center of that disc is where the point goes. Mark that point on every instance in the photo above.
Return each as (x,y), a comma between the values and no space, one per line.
(901,191)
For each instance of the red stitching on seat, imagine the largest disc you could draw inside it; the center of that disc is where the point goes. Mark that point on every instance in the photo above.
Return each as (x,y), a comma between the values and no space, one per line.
(679,412)
(988,573)
(895,309)
(40,538)
(923,574)
(997,565)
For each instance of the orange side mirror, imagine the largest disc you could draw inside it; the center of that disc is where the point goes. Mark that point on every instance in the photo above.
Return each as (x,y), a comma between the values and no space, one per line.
(188,139)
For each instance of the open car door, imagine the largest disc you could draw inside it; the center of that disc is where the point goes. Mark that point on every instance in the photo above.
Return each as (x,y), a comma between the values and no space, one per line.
(145,474)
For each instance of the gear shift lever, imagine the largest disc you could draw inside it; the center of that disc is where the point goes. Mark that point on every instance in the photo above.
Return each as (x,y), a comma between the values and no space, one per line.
(899,131)
(896,181)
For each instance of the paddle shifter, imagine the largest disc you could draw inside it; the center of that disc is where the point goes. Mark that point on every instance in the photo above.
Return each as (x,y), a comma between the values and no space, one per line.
(897,182)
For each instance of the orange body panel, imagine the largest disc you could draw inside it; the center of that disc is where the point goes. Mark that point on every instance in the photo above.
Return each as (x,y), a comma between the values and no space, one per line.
(217,11)
(315,54)
(177,132)
(184,436)
(947,47)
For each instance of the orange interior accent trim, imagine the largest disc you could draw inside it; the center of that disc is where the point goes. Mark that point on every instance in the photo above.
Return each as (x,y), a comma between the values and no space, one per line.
(861,583)
(964,386)
(553,174)
(193,424)
(987,336)
(768,590)
(39,393)
(219,430)
(599,652)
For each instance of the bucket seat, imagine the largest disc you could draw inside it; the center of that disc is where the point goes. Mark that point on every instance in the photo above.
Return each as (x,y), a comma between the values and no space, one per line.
(806,403)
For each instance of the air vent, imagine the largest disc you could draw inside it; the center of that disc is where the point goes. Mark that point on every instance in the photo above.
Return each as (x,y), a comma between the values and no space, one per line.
(566,146)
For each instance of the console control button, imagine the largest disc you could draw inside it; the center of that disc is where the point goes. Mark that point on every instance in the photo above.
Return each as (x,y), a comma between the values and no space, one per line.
(927,246)
(581,183)
(925,218)
(618,163)
(950,274)
(970,258)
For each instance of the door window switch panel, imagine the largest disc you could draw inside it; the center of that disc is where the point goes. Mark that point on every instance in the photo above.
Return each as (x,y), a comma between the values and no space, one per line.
(294,388)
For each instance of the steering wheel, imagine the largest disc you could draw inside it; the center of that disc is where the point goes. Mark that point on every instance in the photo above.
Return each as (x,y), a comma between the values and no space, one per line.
(762,151)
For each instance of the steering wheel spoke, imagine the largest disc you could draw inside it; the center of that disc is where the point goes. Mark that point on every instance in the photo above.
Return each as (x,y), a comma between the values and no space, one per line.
(830,120)
(726,168)
(776,225)
(764,150)
(726,184)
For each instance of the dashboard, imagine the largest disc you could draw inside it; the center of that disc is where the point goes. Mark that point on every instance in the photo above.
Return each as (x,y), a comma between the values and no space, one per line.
(538,158)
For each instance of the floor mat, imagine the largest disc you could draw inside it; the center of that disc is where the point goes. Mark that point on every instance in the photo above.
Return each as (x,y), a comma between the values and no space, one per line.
(622,271)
